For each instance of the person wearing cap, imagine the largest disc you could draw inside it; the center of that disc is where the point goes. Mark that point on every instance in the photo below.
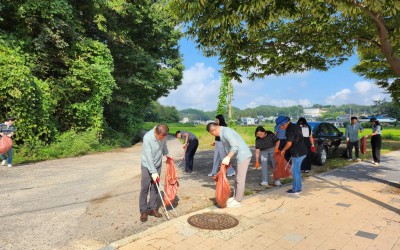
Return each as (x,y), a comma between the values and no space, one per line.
(153,149)
(376,141)
(7,129)
(190,144)
(235,146)
(298,151)
(352,138)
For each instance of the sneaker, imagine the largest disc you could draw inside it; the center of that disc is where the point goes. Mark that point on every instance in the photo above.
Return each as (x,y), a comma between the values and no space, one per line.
(376,163)
(234,203)
(230,200)
(264,183)
(358,159)
(211,175)
(278,183)
(373,162)
(9,165)
(350,159)
(291,191)
(230,175)
(307,171)
(3,163)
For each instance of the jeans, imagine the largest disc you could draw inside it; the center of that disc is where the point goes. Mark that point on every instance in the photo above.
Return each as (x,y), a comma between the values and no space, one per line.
(296,172)
(266,155)
(219,155)
(9,156)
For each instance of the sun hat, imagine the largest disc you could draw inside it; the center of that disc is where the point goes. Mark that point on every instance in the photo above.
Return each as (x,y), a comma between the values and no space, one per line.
(281,120)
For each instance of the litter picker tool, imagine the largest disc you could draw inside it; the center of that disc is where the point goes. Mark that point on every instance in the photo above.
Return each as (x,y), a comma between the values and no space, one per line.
(159,189)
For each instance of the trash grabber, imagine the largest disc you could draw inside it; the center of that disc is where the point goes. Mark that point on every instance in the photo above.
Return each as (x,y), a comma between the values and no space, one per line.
(162,200)
(287,164)
(176,214)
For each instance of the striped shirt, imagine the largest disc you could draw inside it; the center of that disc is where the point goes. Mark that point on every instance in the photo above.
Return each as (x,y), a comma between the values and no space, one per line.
(267,142)
(6,130)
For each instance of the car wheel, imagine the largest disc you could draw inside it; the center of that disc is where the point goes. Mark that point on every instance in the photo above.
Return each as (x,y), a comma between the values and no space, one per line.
(322,156)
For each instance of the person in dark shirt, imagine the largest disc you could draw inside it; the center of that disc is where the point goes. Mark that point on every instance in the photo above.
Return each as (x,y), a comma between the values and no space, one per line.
(298,151)
(265,147)
(190,144)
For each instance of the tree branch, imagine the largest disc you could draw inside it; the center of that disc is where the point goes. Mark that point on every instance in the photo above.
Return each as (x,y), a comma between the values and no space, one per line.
(376,44)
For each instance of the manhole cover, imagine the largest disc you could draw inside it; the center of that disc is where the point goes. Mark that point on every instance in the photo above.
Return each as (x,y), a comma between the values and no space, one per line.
(213,221)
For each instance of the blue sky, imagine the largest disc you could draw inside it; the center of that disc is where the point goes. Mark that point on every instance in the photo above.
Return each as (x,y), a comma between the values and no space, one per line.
(201,82)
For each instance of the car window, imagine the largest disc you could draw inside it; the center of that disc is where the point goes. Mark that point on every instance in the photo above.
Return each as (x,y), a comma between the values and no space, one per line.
(322,130)
(331,130)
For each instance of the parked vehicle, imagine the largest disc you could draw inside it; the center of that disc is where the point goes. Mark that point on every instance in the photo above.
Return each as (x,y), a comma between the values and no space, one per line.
(328,141)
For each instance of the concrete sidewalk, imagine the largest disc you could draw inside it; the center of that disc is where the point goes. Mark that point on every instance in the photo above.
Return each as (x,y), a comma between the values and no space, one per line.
(356,207)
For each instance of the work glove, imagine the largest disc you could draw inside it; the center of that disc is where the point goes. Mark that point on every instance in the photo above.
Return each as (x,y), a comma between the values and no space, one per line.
(155,177)
(312,148)
(257,165)
(226,161)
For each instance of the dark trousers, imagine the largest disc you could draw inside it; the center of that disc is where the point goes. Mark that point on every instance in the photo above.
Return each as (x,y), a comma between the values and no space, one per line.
(306,163)
(147,182)
(350,146)
(376,142)
(282,144)
(189,154)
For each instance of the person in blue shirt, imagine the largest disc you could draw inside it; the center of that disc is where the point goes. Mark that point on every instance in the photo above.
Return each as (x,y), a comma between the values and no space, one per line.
(352,138)
(234,146)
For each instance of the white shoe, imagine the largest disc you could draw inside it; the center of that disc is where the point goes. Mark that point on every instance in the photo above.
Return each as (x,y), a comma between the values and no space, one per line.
(358,159)
(376,163)
(3,163)
(350,159)
(278,183)
(9,165)
(230,200)
(234,203)
(210,175)
(264,183)
(373,162)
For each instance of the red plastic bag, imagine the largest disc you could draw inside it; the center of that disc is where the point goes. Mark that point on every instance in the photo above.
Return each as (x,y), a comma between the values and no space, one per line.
(5,144)
(282,167)
(171,183)
(222,189)
(363,145)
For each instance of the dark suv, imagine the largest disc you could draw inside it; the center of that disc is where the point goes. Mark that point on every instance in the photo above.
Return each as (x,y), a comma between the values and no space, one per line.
(328,141)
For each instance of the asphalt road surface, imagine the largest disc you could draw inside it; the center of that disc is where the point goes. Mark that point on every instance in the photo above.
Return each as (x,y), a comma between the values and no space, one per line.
(84,202)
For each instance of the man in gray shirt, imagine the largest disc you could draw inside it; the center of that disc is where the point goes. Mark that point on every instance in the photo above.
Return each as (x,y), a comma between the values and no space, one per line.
(352,138)
(190,144)
(153,149)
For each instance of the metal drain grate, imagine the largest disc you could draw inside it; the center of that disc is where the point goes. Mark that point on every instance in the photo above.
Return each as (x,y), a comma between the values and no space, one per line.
(213,221)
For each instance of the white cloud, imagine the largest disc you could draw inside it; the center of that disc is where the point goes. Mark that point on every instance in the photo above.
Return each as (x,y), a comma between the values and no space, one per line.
(199,89)
(364,93)
(340,97)
(363,87)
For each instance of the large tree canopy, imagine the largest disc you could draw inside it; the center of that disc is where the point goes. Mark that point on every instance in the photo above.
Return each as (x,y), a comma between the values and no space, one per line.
(264,37)
(84,64)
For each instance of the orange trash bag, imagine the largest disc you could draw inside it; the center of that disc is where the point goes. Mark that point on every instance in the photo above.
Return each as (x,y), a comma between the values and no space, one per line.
(5,144)
(171,183)
(363,145)
(222,189)
(282,167)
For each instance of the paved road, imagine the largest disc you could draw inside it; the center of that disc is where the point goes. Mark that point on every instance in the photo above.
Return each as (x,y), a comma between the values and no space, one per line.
(75,203)
(355,207)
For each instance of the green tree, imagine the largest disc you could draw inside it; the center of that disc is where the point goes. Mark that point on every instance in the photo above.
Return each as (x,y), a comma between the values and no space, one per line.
(265,37)
(156,112)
